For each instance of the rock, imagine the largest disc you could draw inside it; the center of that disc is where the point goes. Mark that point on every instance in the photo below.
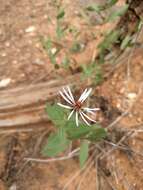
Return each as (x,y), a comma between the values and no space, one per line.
(30,29)
(53,50)
(131,95)
(3,54)
(7,44)
(39,62)
(5,82)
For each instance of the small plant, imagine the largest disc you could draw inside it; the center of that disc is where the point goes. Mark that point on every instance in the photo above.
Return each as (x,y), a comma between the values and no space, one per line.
(101,8)
(77,47)
(69,130)
(93,71)
(60,30)
(52,52)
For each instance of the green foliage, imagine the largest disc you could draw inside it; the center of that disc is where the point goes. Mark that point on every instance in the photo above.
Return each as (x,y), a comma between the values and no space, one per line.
(81,131)
(94,7)
(55,114)
(56,143)
(48,45)
(109,39)
(98,8)
(60,31)
(59,117)
(97,133)
(88,70)
(140,24)
(94,72)
(84,148)
(118,13)
(67,132)
(77,47)
(60,14)
(111,2)
(98,74)
(65,62)
(126,42)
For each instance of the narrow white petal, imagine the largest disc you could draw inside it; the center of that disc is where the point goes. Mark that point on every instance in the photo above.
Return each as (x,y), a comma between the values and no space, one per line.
(70,114)
(76,118)
(83,118)
(64,106)
(91,109)
(86,95)
(68,96)
(82,95)
(70,93)
(65,98)
(88,117)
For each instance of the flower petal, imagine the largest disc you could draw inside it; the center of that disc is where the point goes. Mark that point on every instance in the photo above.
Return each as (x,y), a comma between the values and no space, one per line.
(64,106)
(82,95)
(70,114)
(83,118)
(76,118)
(88,117)
(91,109)
(65,98)
(69,90)
(68,96)
(86,95)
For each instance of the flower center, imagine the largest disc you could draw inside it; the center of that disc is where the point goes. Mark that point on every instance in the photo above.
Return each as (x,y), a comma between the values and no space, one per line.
(77,106)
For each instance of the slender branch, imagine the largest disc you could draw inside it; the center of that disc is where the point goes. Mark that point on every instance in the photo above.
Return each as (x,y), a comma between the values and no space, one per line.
(70,155)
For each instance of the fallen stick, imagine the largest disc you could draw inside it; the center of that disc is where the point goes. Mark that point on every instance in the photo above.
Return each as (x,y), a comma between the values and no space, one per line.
(26,105)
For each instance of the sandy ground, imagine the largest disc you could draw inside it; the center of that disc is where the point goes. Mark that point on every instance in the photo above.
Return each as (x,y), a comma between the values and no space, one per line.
(23,62)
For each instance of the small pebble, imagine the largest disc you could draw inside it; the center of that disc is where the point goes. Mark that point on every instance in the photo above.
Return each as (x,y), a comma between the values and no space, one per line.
(3,54)
(39,62)
(53,50)
(131,95)
(7,44)
(4,82)
(30,29)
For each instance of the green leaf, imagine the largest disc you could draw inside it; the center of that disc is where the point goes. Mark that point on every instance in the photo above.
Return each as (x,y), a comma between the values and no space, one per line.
(61,14)
(126,42)
(140,24)
(74,132)
(83,153)
(87,70)
(56,114)
(111,2)
(56,144)
(98,74)
(77,47)
(59,31)
(65,62)
(94,7)
(109,39)
(47,45)
(114,15)
(97,134)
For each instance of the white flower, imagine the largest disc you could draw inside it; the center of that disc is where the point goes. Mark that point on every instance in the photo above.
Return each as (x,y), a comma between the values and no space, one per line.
(77,106)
